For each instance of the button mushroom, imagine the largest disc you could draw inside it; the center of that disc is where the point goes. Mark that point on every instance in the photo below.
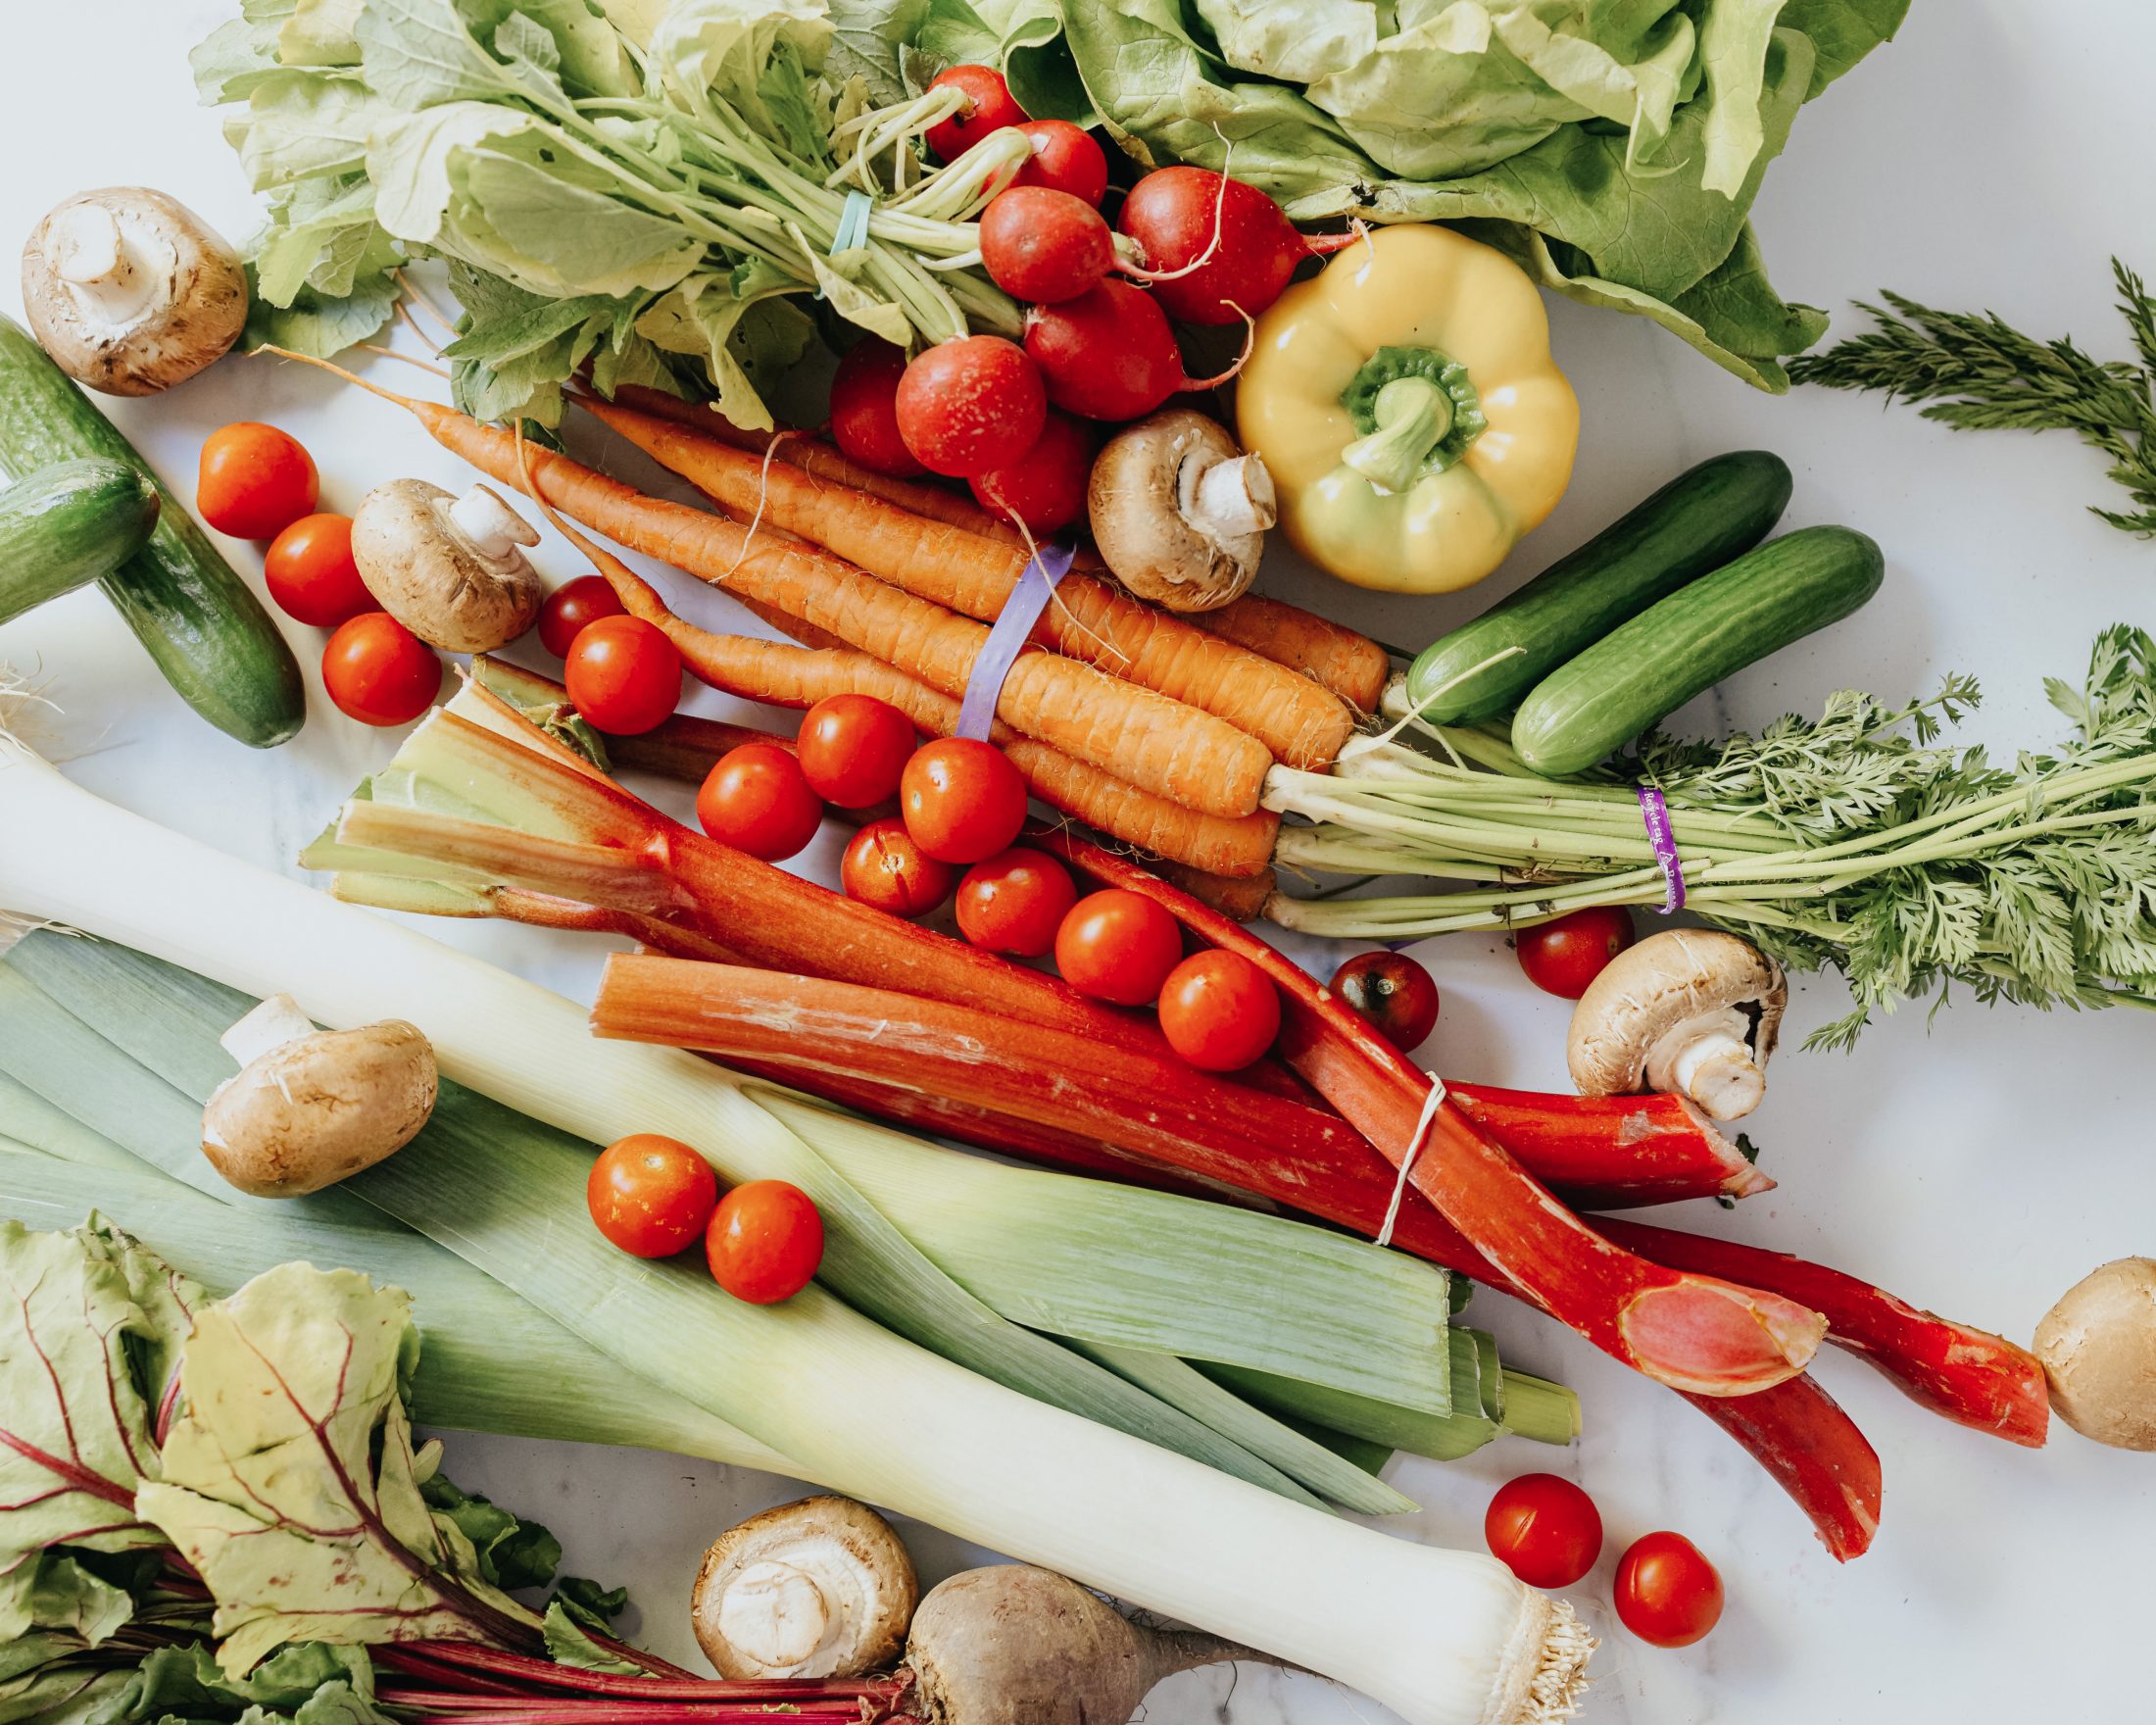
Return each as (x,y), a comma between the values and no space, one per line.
(2098,1348)
(310,1107)
(819,1588)
(130,292)
(452,569)
(1179,512)
(1689,1012)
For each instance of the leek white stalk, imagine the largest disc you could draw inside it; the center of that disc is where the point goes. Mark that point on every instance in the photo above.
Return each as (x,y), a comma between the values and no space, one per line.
(1444,1638)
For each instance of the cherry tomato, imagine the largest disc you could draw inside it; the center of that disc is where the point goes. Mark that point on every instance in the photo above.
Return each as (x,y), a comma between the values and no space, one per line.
(1545,1529)
(623,675)
(570,610)
(853,749)
(255,482)
(1065,159)
(885,870)
(378,671)
(310,572)
(764,1241)
(1118,946)
(962,799)
(1667,1594)
(1561,958)
(865,414)
(1219,1010)
(757,800)
(650,1196)
(1045,488)
(990,107)
(1394,993)
(1014,902)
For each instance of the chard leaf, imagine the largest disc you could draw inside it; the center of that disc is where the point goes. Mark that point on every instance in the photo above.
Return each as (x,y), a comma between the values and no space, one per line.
(52,1607)
(291,1484)
(511,1553)
(571,1642)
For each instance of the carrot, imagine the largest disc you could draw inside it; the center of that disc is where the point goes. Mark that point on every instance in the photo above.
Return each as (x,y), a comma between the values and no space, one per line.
(1090,621)
(1353,666)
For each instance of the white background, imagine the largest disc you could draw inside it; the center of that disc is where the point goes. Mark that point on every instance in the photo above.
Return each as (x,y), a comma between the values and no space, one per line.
(1995,156)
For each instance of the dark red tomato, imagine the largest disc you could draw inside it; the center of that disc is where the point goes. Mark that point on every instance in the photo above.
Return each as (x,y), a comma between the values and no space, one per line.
(572,609)
(623,675)
(1065,159)
(1014,902)
(1219,1010)
(969,406)
(853,748)
(1562,957)
(1174,212)
(764,1241)
(757,799)
(990,107)
(650,1196)
(885,870)
(1107,355)
(864,415)
(1045,491)
(310,572)
(962,800)
(1394,993)
(378,671)
(1118,946)
(1667,1594)
(255,481)
(1545,1529)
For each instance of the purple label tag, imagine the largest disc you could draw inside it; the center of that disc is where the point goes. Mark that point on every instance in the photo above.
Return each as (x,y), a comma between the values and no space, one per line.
(1007,637)
(1655,814)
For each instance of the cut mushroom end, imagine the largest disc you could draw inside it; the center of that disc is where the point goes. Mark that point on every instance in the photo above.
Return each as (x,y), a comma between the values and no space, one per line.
(1179,512)
(1689,1012)
(452,569)
(819,1588)
(310,1107)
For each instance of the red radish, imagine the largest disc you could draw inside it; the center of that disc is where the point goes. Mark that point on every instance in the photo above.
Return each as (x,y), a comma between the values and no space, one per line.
(968,406)
(1108,354)
(864,418)
(989,107)
(1044,245)
(1066,158)
(1044,491)
(1175,215)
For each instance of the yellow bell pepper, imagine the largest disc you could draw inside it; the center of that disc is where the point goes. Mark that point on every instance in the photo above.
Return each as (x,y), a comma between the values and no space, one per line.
(1407,404)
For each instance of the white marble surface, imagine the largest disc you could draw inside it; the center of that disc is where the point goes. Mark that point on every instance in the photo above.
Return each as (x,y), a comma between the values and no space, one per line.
(1993,156)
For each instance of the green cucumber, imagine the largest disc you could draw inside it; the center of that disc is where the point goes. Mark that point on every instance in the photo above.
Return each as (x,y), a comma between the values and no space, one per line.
(67,526)
(206,631)
(1638,675)
(1696,523)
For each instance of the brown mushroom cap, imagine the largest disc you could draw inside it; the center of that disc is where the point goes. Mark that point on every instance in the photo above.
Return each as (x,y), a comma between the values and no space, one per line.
(1689,1010)
(320,1108)
(2098,1348)
(1179,511)
(428,573)
(819,1588)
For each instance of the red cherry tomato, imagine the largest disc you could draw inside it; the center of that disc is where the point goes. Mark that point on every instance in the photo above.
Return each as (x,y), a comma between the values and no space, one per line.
(1562,957)
(971,405)
(757,799)
(1065,159)
(255,482)
(623,675)
(572,609)
(853,748)
(990,107)
(885,870)
(1118,946)
(864,416)
(1394,993)
(378,671)
(1014,902)
(1545,1529)
(650,1196)
(1047,489)
(962,799)
(1667,1594)
(1219,1010)
(310,572)
(764,1241)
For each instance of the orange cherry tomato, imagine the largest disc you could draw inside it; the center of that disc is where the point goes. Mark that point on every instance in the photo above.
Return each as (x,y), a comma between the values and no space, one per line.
(1118,946)
(650,1196)
(962,800)
(853,749)
(378,671)
(623,675)
(1667,1594)
(1014,902)
(764,1241)
(885,870)
(1219,1010)
(570,608)
(310,572)
(255,481)
(757,800)
(1545,1529)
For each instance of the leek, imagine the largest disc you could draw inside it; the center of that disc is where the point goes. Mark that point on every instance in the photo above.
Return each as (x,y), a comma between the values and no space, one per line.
(1444,1638)
(30,1123)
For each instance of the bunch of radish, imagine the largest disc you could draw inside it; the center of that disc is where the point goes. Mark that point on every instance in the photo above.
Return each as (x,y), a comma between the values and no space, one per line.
(1011,420)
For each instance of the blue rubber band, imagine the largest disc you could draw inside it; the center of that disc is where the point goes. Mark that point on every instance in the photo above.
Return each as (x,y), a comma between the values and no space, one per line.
(1007,638)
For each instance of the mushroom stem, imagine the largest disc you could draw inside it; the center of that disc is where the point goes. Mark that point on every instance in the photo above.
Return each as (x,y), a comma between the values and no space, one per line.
(1714,1068)
(494,528)
(1226,500)
(108,277)
(276,1021)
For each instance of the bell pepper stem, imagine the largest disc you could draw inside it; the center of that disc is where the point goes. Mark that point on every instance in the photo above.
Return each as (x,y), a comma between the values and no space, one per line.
(1414,415)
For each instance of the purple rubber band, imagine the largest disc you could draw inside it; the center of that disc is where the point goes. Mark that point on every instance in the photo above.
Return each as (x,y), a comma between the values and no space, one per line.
(1655,814)
(1007,637)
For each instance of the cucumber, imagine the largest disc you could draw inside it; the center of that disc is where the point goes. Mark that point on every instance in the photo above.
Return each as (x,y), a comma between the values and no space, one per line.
(208,633)
(67,526)
(1645,669)
(1696,523)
